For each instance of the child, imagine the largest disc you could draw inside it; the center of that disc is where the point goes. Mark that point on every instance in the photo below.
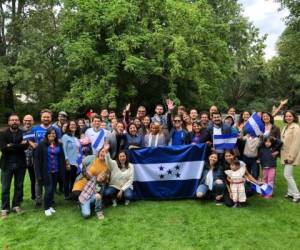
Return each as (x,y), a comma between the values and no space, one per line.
(92,194)
(267,155)
(236,178)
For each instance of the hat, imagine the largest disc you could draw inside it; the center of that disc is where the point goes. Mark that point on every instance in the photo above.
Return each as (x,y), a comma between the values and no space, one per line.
(63,113)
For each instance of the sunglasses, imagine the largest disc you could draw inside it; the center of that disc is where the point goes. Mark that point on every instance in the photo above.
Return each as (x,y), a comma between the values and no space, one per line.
(177,120)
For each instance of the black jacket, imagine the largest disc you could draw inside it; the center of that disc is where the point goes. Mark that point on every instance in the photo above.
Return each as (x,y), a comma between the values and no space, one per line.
(41,162)
(15,152)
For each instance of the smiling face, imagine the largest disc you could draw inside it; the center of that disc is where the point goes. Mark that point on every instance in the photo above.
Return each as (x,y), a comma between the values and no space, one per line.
(196,127)
(122,158)
(216,119)
(246,116)
(46,118)
(155,127)
(213,159)
(28,121)
(51,136)
(132,129)
(146,121)
(266,118)
(288,118)
(229,157)
(73,126)
(120,128)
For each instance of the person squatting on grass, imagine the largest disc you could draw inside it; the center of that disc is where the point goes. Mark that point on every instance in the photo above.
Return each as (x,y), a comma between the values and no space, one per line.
(92,196)
(212,180)
(121,178)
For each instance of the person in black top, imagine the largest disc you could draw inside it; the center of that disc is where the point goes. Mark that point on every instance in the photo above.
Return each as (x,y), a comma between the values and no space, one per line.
(13,165)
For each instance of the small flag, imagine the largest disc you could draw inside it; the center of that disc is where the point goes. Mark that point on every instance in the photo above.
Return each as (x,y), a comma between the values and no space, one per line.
(225,141)
(255,126)
(264,190)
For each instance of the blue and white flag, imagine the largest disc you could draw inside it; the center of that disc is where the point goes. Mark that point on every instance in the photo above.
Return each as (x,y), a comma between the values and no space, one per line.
(225,141)
(255,126)
(79,160)
(264,190)
(171,172)
(29,136)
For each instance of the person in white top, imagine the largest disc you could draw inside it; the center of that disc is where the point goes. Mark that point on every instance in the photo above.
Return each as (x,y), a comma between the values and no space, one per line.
(121,178)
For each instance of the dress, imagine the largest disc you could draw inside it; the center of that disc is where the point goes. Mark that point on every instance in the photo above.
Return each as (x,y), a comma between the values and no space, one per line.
(237,185)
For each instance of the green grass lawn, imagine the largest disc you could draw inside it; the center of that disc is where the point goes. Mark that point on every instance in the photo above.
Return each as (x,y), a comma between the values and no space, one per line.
(184,224)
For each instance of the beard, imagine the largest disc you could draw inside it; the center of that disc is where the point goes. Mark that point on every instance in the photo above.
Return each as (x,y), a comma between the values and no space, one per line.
(14,126)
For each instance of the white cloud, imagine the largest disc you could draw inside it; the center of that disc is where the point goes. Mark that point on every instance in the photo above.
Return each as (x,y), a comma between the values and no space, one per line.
(266,16)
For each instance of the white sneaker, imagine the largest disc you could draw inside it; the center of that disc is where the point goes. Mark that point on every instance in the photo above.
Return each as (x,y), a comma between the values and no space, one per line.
(52,210)
(127,202)
(48,212)
(114,203)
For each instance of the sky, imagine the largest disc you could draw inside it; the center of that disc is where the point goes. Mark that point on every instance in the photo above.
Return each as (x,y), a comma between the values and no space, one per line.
(264,15)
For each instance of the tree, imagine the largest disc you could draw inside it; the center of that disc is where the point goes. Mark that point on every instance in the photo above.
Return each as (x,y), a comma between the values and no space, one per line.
(140,51)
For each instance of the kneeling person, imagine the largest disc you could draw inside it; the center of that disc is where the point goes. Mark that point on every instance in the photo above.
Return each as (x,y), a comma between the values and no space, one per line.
(92,194)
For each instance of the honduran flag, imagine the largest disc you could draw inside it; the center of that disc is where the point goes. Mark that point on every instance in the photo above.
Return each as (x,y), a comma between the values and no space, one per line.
(255,126)
(171,172)
(225,141)
(264,190)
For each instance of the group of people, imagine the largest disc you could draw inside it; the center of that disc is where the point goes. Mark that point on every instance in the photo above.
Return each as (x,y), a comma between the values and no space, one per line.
(87,159)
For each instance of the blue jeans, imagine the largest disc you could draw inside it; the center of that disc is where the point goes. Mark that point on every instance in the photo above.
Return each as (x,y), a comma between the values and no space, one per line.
(251,166)
(218,189)
(49,191)
(86,207)
(111,192)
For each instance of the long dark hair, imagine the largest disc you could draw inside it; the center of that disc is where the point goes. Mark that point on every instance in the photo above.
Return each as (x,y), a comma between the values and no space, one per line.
(132,124)
(118,161)
(48,132)
(271,117)
(241,119)
(68,131)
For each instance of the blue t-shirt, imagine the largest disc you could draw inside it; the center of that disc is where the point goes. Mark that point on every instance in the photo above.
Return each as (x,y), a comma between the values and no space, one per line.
(178,137)
(40,132)
(53,152)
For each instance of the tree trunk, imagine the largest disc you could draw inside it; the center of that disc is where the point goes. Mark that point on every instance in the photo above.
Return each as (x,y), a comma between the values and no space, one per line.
(8,97)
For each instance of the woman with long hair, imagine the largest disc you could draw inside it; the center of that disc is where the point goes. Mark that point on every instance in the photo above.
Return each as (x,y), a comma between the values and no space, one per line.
(121,178)
(49,165)
(71,146)
(290,152)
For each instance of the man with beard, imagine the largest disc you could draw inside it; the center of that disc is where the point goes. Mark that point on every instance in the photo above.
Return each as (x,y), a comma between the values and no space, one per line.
(12,165)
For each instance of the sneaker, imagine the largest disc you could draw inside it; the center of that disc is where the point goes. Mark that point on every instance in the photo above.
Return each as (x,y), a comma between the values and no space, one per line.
(127,202)
(52,210)
(100,215)
(48,212)
(288,196)
(4,214)
(219,203)
(296,200)
(114,203)
(17,210)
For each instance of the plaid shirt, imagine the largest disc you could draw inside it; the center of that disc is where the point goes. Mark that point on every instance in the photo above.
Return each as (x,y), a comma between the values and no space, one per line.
(92,187)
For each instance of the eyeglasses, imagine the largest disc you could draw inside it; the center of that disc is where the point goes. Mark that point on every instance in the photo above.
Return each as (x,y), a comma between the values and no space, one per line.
(177,120)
